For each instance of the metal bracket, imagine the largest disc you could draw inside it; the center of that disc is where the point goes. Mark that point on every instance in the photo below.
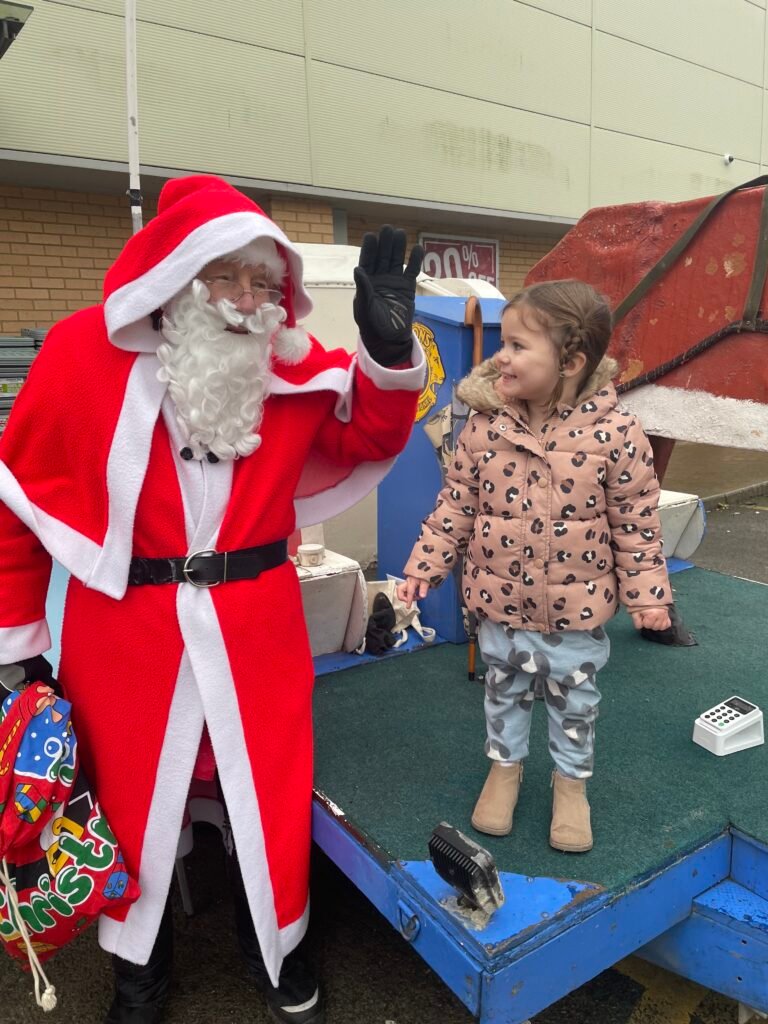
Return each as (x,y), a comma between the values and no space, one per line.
(407,921)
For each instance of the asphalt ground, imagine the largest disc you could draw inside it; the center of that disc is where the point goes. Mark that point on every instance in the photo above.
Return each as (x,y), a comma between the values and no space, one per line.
(736,541)
(713,472)
(371,975)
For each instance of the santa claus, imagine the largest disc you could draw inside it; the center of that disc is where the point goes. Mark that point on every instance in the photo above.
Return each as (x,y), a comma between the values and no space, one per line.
(164,447)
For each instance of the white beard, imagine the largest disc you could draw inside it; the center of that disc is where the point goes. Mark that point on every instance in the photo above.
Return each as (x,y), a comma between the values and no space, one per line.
(217,379)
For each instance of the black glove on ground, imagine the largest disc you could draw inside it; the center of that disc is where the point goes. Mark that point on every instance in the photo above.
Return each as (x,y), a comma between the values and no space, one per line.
(385,297)
(378,635)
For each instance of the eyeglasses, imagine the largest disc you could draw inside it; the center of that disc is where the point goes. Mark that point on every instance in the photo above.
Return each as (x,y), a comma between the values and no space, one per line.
(221,286)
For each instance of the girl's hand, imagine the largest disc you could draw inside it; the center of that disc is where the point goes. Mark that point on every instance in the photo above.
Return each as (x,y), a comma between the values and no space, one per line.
(412,588)
(651,618)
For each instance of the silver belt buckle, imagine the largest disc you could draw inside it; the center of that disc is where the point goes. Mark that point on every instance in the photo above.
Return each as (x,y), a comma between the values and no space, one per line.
(186,570)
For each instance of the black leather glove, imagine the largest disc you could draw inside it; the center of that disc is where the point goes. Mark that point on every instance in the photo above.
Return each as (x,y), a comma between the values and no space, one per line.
(385,297)
(35,670)
(378,634)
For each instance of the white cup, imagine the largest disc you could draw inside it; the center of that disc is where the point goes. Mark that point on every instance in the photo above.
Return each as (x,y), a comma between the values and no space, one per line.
(310,554)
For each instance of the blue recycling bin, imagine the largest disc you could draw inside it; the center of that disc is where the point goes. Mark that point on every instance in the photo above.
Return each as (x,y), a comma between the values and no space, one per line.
(408,493)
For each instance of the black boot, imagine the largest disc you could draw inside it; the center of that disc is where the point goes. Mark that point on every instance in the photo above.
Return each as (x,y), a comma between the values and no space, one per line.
(141,992)
(297,999)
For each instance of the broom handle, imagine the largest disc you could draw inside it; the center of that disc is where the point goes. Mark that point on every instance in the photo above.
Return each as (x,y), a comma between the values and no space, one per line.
(471,655)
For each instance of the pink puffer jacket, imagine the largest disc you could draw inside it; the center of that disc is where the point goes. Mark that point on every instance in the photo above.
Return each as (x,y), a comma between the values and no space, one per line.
(556,527)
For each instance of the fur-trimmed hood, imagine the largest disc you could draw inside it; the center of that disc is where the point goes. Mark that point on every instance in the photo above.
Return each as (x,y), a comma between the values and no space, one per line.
(477,389)
(200,218)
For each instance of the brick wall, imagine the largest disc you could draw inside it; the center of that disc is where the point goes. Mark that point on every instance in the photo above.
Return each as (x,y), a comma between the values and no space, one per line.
(517,252)
(303,220)
(55,247)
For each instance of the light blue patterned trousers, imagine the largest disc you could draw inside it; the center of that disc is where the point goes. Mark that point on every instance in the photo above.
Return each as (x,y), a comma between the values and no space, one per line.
(562,668)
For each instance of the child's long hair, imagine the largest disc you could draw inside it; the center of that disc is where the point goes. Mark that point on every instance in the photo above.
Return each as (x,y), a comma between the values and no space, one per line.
(574,316)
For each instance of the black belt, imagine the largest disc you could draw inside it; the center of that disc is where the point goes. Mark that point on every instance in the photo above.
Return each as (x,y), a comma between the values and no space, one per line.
(208,568)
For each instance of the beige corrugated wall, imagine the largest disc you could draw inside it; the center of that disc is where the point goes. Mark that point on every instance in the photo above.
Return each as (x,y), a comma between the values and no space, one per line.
(541,107)
(544,107)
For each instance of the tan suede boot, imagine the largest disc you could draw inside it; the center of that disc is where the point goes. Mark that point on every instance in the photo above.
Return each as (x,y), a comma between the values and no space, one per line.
(571,830)
(498,798)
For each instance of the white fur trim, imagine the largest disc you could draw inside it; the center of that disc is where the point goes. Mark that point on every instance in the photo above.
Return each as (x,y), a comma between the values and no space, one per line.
(291,345)
(137,299)
(189,471)
(208,655)
(343,408)
(17,642)
(205,488)
(217,484)
(387,379)
(76,552)
(361,481)
(133,938)
(260,253)
(699,416)
(103,568)
(140,336)
(292,934)
(364,478)
(334,379)
(126,468)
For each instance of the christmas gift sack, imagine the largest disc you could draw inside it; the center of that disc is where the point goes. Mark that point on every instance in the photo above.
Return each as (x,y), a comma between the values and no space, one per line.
(61,864)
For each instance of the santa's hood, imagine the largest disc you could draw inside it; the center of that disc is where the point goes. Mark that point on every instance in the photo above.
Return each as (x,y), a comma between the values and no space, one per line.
(199,219)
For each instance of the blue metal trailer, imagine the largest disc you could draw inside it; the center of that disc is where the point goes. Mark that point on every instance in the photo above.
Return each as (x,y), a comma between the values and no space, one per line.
(679,876)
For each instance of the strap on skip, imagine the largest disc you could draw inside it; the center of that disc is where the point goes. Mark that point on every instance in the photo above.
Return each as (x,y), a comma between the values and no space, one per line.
(752,306)
(671,255)
(751,320)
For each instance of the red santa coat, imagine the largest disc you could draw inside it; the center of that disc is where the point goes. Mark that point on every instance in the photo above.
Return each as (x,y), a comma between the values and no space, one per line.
(90,474)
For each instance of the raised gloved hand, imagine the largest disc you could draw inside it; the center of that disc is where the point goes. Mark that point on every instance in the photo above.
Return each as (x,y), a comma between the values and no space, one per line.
(385,297)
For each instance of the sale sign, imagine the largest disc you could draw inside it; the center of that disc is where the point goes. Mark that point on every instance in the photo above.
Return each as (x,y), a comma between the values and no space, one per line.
(461,257)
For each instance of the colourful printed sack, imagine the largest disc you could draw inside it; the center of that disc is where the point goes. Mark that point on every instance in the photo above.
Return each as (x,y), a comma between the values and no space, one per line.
(61,865)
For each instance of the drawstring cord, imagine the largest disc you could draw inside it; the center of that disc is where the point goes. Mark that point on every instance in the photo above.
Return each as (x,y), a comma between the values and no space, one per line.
(46,1001)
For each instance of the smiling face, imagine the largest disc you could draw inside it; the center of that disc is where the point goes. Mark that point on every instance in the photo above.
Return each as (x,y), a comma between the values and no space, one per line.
(527,360)
(246,287)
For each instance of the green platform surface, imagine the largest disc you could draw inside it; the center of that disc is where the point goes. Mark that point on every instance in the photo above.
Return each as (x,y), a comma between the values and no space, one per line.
(399,746)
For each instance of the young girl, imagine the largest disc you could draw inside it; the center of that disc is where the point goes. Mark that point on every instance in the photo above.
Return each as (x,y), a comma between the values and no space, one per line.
(552,499)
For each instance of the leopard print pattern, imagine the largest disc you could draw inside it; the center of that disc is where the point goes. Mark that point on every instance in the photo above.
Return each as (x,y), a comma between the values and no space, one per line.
(555,530)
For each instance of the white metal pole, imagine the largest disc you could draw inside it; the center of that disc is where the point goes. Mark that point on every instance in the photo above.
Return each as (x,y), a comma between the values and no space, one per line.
(132,106)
